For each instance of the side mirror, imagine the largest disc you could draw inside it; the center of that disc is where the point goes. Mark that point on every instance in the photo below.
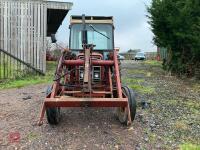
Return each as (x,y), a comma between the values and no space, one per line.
(53,38)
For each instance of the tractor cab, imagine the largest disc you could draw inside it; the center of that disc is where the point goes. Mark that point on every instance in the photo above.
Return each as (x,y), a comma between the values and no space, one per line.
(97,33)
(99,30)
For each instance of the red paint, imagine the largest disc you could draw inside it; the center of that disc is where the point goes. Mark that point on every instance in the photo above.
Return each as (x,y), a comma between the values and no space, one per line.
(90,93)
(14,137)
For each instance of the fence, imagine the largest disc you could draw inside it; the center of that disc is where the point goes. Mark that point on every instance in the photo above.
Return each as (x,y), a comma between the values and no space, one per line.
(13,67)
(151,55)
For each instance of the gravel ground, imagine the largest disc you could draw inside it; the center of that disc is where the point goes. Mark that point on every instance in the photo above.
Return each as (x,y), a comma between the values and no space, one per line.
(169,107)
(167,116)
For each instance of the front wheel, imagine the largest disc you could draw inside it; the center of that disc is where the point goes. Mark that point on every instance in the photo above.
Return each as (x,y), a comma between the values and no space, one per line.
(122,113)
(53,114)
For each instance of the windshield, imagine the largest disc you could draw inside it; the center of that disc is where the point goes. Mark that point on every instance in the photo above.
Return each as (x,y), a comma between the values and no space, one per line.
(95,38)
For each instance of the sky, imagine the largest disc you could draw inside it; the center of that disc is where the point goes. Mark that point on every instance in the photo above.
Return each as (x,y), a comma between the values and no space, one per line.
(131,28)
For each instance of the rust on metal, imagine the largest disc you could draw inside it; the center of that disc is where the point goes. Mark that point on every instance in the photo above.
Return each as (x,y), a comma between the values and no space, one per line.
(80,62)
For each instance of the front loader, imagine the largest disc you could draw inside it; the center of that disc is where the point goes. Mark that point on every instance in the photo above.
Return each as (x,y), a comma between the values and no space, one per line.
(88,74)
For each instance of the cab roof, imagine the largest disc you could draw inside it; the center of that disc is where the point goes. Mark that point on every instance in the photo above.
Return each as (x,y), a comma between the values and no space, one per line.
(92,19)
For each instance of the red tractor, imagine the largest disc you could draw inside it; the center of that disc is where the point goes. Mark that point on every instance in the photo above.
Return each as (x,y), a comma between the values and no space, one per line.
(88,73)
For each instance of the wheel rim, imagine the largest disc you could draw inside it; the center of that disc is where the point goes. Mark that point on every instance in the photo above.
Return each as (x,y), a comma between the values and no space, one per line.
(122,114)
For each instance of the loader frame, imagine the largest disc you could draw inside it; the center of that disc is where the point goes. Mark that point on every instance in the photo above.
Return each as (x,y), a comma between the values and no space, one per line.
(71,92)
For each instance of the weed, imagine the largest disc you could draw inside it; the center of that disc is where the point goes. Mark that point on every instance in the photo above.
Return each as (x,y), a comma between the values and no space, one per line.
(141,72)
(189,146)
(136,84)
(152,137)
(32,136)
(136,71)
(192,104)
(133,80)
(148,74)
(171,102)
(196,87)
(143,89)
(181,125)
(153,63)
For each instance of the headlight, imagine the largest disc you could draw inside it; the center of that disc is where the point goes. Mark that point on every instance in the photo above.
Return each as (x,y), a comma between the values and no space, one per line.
(81,75)
(96,75)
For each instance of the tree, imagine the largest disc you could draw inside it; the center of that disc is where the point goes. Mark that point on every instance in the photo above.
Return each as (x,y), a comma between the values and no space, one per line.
(176,25)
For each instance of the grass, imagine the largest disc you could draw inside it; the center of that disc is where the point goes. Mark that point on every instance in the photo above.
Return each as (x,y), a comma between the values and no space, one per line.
(143,89)
(136,71)
(178,116)
(31,79)
(133,80)
(196,87)
(137,84)
(140,72)
(153,62)
(189,147)
(6,67)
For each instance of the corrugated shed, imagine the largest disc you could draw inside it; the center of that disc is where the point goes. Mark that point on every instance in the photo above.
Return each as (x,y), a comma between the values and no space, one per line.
(24,25)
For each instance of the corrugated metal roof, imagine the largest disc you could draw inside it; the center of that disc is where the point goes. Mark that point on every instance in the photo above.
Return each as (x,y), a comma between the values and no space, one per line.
(92,19)
(59,5)
(56,12)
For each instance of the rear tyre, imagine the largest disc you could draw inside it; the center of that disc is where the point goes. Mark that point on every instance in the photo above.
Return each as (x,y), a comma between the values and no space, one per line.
(122,113)
(53,114)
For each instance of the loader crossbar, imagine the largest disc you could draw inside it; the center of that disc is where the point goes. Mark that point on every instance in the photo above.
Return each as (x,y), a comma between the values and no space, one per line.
(85,102)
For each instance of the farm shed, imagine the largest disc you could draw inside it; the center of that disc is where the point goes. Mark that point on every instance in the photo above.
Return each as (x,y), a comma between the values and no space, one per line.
(24,26)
